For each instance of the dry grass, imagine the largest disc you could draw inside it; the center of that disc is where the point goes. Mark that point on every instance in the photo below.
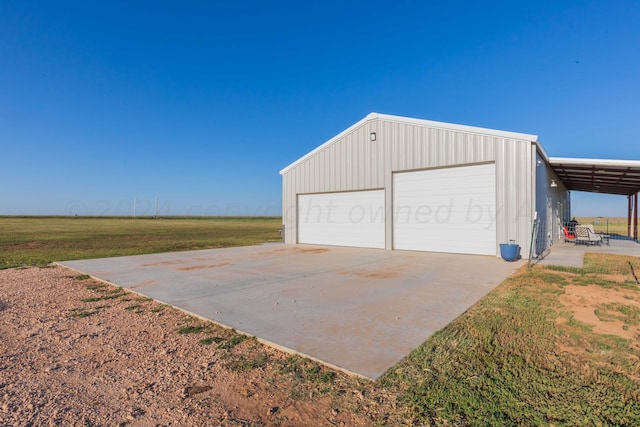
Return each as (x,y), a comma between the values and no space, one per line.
(40,241)
(521,356)
(610,225)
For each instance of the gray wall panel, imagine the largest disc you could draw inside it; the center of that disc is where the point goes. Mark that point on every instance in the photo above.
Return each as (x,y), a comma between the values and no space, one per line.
(552,205)
(353,162)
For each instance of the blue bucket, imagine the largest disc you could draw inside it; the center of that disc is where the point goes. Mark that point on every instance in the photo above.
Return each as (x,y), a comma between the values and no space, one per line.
(509,251)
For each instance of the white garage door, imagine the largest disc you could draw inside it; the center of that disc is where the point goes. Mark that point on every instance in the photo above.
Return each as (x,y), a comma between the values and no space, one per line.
(446,210)
(354,218)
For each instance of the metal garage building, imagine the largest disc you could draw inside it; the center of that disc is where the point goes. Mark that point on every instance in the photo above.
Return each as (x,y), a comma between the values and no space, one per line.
(401,183)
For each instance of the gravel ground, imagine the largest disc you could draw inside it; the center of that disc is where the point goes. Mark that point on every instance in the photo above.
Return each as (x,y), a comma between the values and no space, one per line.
(74,351)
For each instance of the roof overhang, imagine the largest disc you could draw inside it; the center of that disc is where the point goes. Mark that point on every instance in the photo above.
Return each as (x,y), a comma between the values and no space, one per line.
(598,175)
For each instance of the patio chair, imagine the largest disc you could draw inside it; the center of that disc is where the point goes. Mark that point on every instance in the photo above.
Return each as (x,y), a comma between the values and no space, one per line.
(586,236)
(568,237)
(605,237)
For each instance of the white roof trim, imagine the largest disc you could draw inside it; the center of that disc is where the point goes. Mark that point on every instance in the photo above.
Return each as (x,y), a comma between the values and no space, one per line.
(542,152)
(419,122)
(595,162)
(461,128)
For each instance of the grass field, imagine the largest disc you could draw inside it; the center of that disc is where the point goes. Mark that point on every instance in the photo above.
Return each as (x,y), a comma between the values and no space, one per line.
(609,225)
(520,356)
(39,241)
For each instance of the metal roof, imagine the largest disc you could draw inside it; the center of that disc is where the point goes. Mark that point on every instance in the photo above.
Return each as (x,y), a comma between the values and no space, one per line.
(598,175)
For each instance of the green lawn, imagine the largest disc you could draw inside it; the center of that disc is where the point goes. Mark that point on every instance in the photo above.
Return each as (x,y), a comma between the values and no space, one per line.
(39,241)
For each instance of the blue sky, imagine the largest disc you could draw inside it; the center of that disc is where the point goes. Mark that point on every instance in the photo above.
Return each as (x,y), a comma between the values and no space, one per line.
(202,103)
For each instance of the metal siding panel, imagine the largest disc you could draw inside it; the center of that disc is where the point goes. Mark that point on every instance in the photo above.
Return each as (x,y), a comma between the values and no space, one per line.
(319,175)
(312,172)
(434,150)
(502,192)
(344,165)
(449,148)
(345,170)
(289,208)
(415,146)
(357,159)
(355,163)
(458,153)
(333,159)
(367,166)
(508,198)
(442,147)
(525,219)
(513,164)
(490,148)
(304,175)
(473,149)
(386,152)
(423,141)
(550,203)
(291,227)
(471,146)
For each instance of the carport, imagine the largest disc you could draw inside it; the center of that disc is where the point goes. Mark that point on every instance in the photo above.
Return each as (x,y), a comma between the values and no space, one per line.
(358,310)
(621,177)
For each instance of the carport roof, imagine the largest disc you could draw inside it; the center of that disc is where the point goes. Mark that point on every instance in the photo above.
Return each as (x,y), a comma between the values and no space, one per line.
(598,175)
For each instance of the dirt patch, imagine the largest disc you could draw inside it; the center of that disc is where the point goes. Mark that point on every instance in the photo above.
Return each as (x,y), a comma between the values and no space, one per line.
(380,274)
(143,284)
(122,362)
(203,267)
(600,308)
(309,251)
(153,264)
(295,250)
(618,277)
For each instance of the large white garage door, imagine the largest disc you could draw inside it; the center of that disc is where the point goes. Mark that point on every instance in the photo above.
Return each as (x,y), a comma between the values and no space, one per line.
(354,218)
(446,210)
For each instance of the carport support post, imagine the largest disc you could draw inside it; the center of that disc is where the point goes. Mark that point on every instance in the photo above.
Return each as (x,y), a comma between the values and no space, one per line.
(629,210)
(635,217)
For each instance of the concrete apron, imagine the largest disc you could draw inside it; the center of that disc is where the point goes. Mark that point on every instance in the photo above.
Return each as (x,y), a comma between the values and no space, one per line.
(358,310)
(572,255)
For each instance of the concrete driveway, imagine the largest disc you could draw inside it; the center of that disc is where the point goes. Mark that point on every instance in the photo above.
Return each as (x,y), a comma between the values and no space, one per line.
(358,310)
